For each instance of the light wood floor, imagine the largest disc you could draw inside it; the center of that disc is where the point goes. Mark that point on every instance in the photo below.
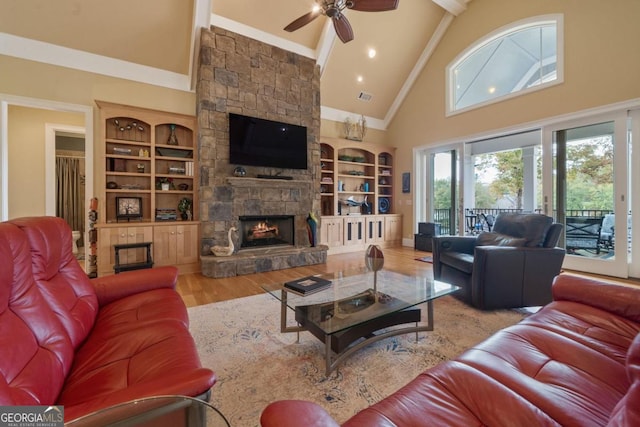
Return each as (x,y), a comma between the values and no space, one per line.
(197,289)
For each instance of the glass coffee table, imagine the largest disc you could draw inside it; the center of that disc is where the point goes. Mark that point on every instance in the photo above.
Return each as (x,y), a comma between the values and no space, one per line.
(354,312)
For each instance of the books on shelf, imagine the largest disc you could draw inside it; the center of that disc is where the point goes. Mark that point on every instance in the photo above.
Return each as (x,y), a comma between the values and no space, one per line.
(188,166)
(307,285)
(166,214)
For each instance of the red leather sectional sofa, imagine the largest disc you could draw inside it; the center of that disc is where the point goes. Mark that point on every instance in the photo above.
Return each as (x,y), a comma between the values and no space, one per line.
(574,363)
(87,344)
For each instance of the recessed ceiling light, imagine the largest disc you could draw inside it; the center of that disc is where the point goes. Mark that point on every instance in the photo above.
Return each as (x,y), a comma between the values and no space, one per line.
(315,8)
(492,89)
(360,79)
(372,53)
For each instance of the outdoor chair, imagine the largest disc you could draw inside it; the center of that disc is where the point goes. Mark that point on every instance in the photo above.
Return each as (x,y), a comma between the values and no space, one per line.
(512,266)
(583,233)
(606,239)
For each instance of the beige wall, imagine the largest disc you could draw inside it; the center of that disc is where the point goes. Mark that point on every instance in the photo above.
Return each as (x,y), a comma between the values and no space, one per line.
(26,154)
(602,66)
(38,80)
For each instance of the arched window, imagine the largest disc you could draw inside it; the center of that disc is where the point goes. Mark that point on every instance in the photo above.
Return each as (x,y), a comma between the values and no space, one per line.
(519,58)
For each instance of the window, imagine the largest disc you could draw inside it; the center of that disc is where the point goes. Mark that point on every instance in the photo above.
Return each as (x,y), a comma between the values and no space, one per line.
(517,59)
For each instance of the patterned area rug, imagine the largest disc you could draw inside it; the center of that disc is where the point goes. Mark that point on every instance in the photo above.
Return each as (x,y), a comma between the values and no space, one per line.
(256,364)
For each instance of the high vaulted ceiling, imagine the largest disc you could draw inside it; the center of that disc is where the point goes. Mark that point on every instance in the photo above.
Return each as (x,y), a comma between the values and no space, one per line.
(155,41)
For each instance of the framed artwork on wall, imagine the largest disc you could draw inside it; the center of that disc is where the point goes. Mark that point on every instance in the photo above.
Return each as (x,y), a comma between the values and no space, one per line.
(406,182)
(128,208)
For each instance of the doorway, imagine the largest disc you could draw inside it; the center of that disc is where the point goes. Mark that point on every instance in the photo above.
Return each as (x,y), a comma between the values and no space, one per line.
(67,185)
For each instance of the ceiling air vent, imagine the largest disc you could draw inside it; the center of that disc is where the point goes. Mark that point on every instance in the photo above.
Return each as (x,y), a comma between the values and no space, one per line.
(364,96)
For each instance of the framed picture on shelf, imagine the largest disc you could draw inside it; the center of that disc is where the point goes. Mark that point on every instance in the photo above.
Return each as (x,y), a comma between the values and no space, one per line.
(128,208)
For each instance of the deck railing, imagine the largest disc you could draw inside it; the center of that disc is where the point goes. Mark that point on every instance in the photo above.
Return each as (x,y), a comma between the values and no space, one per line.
(443,217)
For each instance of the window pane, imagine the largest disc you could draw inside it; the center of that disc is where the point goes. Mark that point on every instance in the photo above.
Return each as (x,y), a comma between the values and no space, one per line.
(515,61)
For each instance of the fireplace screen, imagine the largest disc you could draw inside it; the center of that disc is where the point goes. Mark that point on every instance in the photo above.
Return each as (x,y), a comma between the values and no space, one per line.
(261,231)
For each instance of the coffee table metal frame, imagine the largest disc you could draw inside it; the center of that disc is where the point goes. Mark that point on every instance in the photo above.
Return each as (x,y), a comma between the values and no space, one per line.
(152,410)
(397,317)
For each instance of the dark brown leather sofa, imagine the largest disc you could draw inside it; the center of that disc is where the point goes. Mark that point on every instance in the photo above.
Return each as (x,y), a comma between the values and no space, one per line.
(576,362)
(511,266)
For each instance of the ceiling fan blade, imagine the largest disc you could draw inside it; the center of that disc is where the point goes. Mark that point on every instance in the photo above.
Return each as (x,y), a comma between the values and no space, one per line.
(302,21)
(373,5)
(343,28)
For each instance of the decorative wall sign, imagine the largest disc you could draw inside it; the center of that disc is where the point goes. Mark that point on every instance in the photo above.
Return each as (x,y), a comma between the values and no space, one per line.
(406,182)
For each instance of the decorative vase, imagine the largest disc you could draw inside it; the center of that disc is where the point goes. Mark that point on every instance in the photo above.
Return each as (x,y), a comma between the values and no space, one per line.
(173,139)
(374,260)
(164,186)
(184,215)
(312,228)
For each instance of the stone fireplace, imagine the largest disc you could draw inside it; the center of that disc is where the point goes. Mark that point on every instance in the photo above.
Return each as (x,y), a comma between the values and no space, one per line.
(246,76)
(266,231)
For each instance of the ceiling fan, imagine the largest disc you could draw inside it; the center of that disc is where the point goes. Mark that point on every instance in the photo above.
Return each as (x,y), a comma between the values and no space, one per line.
(333,9)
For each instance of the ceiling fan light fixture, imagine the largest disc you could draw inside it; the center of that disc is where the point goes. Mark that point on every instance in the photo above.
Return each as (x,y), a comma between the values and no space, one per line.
(333,10)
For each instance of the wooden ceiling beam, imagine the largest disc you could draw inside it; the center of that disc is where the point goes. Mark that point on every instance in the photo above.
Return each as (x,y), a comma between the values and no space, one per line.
(454,7)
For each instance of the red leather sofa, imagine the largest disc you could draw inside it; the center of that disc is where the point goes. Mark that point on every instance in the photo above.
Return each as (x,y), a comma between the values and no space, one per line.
(87,344)
(574,363)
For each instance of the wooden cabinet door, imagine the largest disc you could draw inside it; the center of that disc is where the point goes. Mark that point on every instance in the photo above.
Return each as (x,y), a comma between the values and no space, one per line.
(108,237)
(331,231)
(175,244)
(354,230)
(164,245)
(374,229)
(393,228)
(137,235)
(187,244)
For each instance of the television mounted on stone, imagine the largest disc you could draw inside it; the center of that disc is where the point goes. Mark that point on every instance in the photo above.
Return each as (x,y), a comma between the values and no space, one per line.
(261,142)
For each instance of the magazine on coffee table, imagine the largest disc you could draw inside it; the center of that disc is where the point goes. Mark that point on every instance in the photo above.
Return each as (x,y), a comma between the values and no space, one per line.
(307,285)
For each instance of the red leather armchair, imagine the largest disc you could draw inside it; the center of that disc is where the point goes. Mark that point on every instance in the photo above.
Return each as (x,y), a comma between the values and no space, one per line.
(87,344)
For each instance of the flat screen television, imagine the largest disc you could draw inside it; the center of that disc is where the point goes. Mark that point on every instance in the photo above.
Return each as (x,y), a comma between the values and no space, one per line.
(261,142)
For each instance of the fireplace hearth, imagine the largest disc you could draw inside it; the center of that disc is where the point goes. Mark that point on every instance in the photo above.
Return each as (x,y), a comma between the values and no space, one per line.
(266,230)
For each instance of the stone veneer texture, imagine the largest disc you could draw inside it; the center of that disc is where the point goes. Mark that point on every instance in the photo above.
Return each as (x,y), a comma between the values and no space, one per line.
(246,76)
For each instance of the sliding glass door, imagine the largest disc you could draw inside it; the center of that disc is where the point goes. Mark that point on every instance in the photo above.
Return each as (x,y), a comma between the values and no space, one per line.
(438,188)
(585,189)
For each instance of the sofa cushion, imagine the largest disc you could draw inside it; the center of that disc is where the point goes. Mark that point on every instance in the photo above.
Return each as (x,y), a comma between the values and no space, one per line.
(570,382)
(627,411)
(452,394)
(36,351)
(147,359)
(458,260)
(65,287)
(489,238)
(533,227)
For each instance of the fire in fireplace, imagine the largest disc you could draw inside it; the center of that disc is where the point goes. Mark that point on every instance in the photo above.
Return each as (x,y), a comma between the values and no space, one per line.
(270,230)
